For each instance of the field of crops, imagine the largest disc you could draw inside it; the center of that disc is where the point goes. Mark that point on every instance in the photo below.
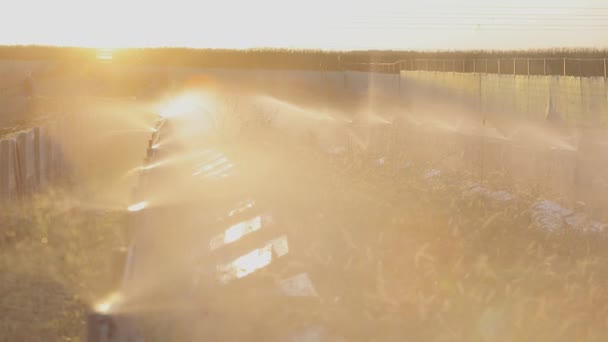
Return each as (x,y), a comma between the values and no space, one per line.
(398,250)
(404,243)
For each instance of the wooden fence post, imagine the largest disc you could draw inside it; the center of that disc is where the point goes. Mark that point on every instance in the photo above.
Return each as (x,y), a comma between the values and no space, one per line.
(21,163)
(528,63)
(514,67)
(7,169)
(605,68)
(474,66)
(499,66)
(42,159)
(37,160)
(564,66)
(544,66)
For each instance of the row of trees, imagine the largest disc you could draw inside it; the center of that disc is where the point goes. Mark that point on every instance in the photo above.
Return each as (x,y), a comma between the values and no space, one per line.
(273,58)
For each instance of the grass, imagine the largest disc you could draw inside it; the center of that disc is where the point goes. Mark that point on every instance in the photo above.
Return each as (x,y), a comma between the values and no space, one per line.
(54,262)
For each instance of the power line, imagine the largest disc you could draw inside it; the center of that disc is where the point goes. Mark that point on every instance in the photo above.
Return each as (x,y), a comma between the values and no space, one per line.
(496,17)
(513,7)
(480,28)
(486,22)
(488,14)
(448,25)
(537,7)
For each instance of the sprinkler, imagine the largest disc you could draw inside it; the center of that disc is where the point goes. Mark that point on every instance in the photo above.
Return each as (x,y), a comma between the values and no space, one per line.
(101,327)
(102,322)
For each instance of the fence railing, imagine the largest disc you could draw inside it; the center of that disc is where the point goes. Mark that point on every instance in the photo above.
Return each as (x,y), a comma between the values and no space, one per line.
(581,67)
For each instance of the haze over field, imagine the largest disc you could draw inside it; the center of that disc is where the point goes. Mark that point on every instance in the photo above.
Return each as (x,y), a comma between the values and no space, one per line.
(340,24)
(322,171)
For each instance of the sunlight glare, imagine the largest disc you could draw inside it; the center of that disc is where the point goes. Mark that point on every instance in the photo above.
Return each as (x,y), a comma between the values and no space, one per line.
(247,264)
(236,232)
(151,166)
(209,167)
(254,260)
(242,208)
(137,206)
(105,54)
(108,303)
(183,104)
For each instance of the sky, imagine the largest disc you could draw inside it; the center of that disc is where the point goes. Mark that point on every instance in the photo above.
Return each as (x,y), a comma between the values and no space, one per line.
(318,24)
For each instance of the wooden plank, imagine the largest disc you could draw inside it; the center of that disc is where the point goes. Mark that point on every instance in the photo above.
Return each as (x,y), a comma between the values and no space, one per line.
(8,182)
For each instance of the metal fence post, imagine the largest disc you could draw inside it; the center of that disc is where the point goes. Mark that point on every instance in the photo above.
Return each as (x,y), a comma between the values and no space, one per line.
(499,66)
(605,68)
(528,63)
(474,66)
(564,67)
(514,67)
(544,66)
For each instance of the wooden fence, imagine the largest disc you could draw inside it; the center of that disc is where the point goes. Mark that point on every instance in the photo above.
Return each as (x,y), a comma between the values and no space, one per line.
(33,158)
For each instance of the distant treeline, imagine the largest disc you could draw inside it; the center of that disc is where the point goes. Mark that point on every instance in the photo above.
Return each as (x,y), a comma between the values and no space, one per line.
(306,59)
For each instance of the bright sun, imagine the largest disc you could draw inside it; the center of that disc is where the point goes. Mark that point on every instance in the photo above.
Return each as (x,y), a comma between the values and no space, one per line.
(105,54)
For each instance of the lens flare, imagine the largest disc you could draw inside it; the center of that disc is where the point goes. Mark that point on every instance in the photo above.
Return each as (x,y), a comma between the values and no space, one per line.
(184,104)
